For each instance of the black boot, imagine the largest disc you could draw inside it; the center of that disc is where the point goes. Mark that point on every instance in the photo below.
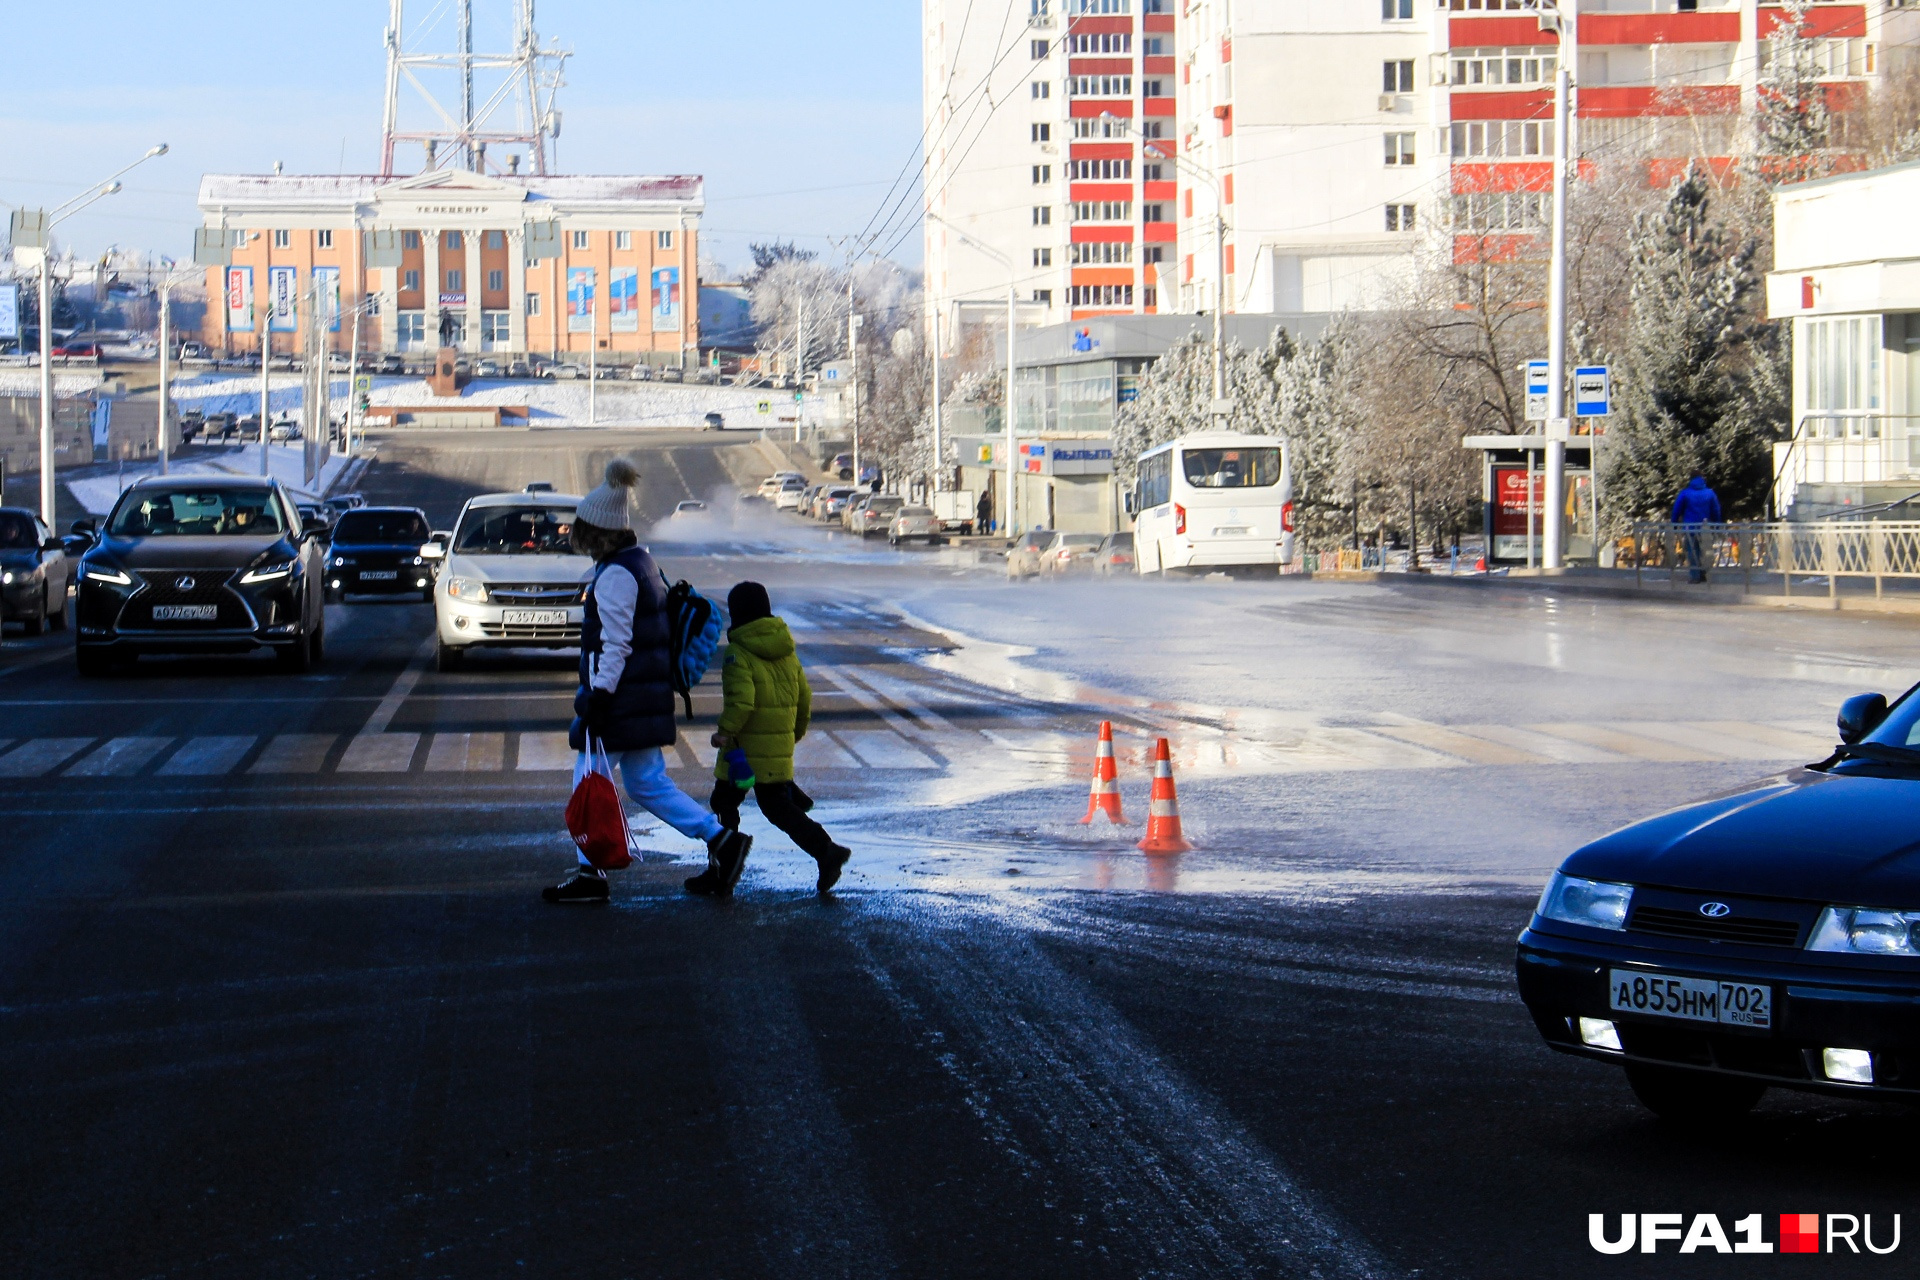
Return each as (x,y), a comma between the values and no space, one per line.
(726,858)
(584,885)
(830,866)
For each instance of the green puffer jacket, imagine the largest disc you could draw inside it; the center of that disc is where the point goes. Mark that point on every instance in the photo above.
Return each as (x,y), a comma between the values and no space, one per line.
(768,702)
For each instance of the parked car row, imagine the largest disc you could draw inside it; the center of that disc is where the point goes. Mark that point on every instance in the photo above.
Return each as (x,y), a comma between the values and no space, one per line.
(1050,553)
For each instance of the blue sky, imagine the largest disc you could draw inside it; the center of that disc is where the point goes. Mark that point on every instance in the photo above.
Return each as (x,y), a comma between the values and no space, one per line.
(799,115)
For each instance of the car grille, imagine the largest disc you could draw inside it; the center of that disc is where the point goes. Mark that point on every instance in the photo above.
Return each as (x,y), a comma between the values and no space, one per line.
(1758,931)
(522,631)
(210,586)
(537,593)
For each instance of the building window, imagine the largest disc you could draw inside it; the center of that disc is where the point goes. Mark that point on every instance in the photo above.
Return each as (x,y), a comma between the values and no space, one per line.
(494,329)
(1503,66)
(1153,129)
(1102,254)
(1153,89)
(1153,173)
(496,281)
(1153,213)
(1042,215)
(1043,257)
(1042,133)
(1154,6)
(1041,89)
(1839,373)
(1154,253)
(533,304)
(1040,49)
(283,239)
(579,239)
(454,278)
(1117,127)
(496,239)
(1149,296)
(623,240)
(1042,173)
(1500,211)
(1397,76)
(1396,10)
(410,281)
(664,240)
(1399,148)
(1043,296)
(1100,86)
(1497,139)
(1100,170)
(1098,7)
(1155,47)
(1102,42)
(323,239)
(1399,217)
(370,304)
(409,239)
(410,328)
(1103,210)
(453,240)
(1100,295)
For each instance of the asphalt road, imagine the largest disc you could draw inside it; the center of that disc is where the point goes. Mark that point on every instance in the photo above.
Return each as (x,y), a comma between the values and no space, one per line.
(278,997)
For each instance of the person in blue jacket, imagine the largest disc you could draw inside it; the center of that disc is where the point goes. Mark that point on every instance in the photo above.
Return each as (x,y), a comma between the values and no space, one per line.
(1695,504)
(626,690)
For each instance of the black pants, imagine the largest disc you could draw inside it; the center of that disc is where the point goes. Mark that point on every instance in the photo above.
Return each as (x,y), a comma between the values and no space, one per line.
(780,804)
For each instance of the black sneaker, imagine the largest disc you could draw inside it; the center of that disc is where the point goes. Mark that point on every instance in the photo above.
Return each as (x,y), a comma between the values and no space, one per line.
(729,853)
(709,883)
(830,867)
(581,886)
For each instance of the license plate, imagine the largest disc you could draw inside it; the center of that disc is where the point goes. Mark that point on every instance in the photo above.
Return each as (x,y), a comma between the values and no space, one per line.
(534,617)
(1230,531)
(1730,1004)
(185,612)
(379,575)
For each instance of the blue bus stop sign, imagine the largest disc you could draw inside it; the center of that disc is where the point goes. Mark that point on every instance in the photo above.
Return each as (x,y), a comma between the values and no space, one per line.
(1592,392)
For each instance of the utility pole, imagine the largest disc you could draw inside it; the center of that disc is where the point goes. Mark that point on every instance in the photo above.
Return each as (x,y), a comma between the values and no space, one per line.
(593,356)
(938,458)
(1566,18)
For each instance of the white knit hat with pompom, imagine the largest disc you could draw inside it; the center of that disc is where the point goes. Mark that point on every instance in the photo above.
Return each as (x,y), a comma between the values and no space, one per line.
(610,506)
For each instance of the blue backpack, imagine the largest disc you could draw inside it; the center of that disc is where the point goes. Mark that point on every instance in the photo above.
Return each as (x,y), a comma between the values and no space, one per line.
(694,630)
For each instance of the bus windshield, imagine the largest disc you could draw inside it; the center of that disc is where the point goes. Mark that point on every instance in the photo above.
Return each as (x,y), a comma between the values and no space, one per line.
(1231,468)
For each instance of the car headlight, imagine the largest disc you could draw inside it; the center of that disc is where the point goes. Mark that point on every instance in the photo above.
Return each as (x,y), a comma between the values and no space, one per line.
(1598,904)
(108,574)
(1866,931)
(472,590)
(272,572)
(6,577)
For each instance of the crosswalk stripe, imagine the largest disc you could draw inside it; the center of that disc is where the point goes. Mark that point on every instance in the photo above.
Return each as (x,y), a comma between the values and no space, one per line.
(818,751)
(295,753)
(379,753)
(202,757)
(547,752)
(882,749)
(1555,750)
(698,745)
(1455,743)
(1632,745)
(466,753)
(1732,746)
(40,755)
(119,758)
(1790,743)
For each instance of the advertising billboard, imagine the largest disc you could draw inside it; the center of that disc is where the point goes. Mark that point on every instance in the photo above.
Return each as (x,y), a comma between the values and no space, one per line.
(623,300)
(328,278)
(666,299)
(1510,502)
(580,300)
(283,299)
(240,299)
(9,311)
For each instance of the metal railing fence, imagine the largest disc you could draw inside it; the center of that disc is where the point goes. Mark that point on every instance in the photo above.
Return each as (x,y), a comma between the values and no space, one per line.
(1833,549)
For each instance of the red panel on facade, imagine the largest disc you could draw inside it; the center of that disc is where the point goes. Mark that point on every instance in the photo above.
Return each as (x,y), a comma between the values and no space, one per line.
(1090,26)
(1493,248)
(1103,275)
(1093,234)
(1100,151)
(1160,232)
(1100,66)
(1496,33)
(1157,66)
(1159,107)
(1528,175)
(1159,190)
(1529,105)
(1157,22)
(1660,28)
(1090,108)
(1839,20)
(1643,100)
(1099,191)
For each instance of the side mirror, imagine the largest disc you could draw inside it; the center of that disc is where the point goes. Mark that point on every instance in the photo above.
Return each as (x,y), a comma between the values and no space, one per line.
(313,525)
(1133,503)
(1860,715)
(434,550)
(81,528)
(53,544)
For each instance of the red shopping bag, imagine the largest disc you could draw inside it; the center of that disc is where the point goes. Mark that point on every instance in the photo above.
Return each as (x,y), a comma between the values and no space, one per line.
(594,816)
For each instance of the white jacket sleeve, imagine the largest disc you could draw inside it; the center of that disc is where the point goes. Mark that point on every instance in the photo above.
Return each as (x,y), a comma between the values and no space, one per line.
(615,594)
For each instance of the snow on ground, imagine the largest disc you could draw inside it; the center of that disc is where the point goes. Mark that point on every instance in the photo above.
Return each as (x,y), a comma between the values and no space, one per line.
(287,463)
(66,382)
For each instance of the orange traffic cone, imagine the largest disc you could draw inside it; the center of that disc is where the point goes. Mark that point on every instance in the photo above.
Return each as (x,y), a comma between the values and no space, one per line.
(1105,796)
(1163,810)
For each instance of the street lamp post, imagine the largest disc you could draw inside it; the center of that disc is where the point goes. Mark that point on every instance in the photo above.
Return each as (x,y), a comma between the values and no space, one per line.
(1563,16)
(1221,408)
(1012,287)
(166,341)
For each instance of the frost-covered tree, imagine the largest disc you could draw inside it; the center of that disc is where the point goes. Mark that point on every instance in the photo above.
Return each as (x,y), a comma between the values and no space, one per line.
(1792,122)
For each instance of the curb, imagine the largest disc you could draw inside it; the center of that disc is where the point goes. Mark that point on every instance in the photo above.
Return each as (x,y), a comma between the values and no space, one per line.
(1694,596)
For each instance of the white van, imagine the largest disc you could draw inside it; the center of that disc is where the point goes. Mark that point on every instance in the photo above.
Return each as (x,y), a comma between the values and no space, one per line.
(1215,499)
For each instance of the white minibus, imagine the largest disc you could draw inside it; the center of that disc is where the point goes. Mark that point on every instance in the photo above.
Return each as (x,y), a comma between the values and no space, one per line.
(1213,500)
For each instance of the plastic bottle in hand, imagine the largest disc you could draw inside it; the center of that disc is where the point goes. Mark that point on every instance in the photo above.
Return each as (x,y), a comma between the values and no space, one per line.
(739,772)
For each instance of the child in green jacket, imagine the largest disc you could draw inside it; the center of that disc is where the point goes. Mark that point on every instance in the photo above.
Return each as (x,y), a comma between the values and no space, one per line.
(767,706)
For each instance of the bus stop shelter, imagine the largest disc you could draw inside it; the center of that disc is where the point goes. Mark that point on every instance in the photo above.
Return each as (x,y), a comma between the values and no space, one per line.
(1513,482)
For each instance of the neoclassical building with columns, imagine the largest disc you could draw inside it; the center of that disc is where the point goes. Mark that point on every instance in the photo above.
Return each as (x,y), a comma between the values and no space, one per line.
(516,264)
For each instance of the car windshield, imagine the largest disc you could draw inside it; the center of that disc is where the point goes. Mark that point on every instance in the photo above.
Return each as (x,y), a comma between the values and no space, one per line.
(1231,468)
(1082,540)
(382,526)
(1037,539)
(530,530)
(196,513)
(1120,542)
(883,504)
(17,531)
(916,511)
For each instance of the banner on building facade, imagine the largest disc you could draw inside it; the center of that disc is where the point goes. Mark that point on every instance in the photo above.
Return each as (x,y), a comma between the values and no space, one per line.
(240,299)
(580,300)
(328,280)
(666,299)
(9,311)
(283,299)
(623,300)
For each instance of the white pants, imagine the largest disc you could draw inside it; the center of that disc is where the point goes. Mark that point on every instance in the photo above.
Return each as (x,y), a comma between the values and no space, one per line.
(645,773)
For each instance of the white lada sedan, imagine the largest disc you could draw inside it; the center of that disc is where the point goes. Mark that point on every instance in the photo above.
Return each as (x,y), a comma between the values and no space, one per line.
(510,577)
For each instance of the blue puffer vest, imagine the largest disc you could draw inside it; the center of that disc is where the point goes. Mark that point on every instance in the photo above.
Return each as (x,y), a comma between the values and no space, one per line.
(642,713)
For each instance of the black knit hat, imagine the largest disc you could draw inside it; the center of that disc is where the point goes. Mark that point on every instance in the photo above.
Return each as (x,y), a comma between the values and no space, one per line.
(748,602)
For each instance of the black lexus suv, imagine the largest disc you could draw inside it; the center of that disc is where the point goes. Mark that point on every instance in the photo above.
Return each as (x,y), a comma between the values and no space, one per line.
(197,564)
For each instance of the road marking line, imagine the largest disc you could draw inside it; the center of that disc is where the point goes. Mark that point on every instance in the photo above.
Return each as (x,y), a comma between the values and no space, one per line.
(897,691)
(402,686)
(41,755)
(1791,742)
(883,749)
(698,750)
(868,701)
(379,753)
(119,758)
(1632,745)
(1556,750)
(466,752)
(1456,743)
(295,753)
(545,752)
(204,756)
(818,751)
(1700,738)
